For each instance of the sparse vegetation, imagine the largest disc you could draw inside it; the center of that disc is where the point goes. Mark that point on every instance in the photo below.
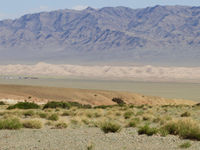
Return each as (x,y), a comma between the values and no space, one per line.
(128,114)
(185,145)
(134,122)
(185,128)
(61,125)
(65,105)
(29,113)
(146,129)
(33,124)
(74,122)
(186,114)
(147,120)
(11,124)
(109,126)
(103,106)
(66,113)
(43,115)
(53,117)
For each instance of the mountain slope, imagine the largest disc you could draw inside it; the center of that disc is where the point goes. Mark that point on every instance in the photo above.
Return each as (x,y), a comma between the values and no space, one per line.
(160,34)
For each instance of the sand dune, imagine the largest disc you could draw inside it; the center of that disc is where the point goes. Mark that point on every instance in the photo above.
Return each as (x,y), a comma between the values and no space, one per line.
(105,72)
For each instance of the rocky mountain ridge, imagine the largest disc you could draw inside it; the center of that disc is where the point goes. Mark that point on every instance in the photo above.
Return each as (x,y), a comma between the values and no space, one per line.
(160,34)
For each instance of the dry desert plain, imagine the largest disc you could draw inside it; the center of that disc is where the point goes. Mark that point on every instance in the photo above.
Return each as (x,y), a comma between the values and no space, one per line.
(52,122)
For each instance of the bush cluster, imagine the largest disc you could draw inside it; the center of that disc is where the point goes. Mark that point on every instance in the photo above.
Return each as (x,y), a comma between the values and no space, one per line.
(33,124)
(11,124)
(185,128)
(103,106)
(108,126)
(128,114)
(24,105)
(29,113)
(134,122)
(65,105)
(186,114)
(146,129)
(53,117)
(61,125)
(2,103)
(119,101)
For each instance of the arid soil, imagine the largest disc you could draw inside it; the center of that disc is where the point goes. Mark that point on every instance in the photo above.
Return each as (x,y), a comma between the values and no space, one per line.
(85,138)
(93,97)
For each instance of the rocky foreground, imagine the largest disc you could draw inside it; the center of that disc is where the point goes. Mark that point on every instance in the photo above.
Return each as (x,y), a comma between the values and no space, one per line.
(87,139)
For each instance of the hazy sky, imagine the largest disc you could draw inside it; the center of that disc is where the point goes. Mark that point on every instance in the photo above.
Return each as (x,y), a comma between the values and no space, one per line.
(16,8)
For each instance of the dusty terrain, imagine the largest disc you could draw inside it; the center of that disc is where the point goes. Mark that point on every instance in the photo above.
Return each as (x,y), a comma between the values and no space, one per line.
(93,97)
(82,128)
(82,138)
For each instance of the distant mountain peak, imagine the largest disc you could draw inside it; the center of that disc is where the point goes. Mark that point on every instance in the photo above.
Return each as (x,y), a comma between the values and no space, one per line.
(152,34)
(90,9)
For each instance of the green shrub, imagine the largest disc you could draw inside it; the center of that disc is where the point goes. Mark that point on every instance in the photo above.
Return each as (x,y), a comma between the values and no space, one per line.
(163,132)
(66,113)
(49,123)
(2,103)
(53,117)
(185,145)
(85,121)
(134,122)
(89,115)
(140,106)
(76,104)
(65,105)
(108,126)
(156,120)
(33,124)
(119,101)
(139,113)
(56,105)
(146,118)
(43,115)
(61,125)
(185,128)
(24,105)
(97,115)
(11,124)
(57,110)
(198,104)
(29,113)
(118,114)
(128,114)
(147,130)
(74,122)
(104,106)
(131,106)
(185,114)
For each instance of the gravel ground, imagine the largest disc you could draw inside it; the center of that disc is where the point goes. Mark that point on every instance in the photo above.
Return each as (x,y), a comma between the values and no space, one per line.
(81,138)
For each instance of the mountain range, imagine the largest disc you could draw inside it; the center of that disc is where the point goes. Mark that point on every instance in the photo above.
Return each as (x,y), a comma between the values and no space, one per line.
(167,35)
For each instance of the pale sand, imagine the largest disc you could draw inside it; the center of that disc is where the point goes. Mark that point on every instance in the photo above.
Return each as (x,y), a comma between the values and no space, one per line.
(42,95)
(150,73)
